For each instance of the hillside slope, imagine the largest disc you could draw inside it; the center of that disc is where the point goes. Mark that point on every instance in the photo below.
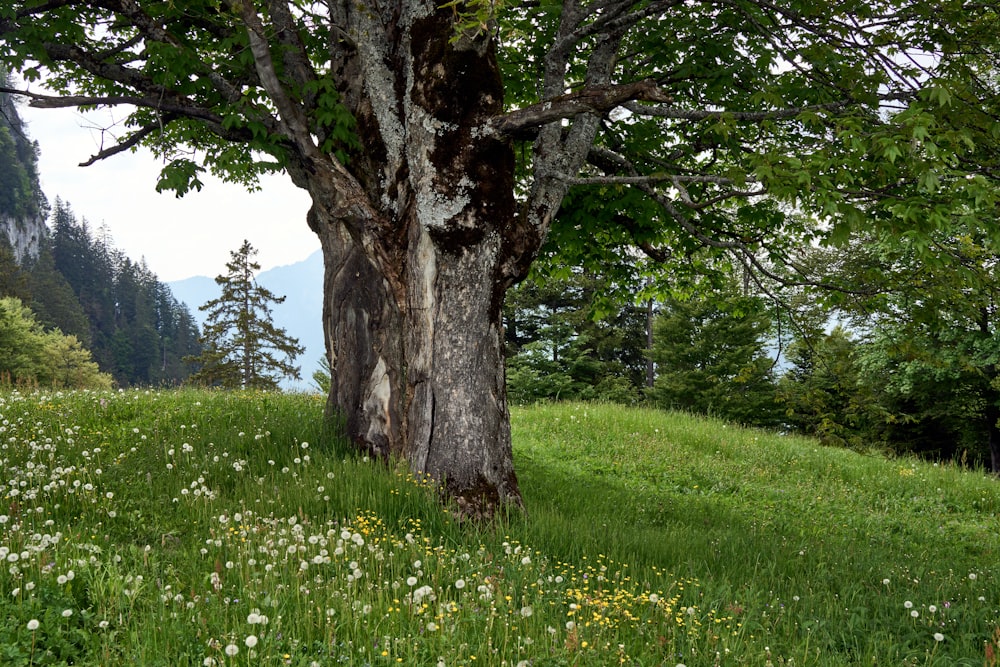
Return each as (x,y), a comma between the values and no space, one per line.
(649,538)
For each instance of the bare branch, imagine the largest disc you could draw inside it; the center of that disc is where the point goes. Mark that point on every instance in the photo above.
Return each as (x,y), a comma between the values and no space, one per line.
(129,143)
(611,16)
(722,196)
(291,116)
(296,59)
(648,179)
(653,252)
(662,111)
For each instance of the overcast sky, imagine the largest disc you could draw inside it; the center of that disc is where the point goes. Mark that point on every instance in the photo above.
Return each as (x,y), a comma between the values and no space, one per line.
(179,238)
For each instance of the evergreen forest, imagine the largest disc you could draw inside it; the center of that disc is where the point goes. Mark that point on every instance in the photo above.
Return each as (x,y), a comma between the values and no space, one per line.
(82,285)
(77,283)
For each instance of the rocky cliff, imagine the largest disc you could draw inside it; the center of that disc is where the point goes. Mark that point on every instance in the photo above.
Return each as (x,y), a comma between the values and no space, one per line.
(23,207)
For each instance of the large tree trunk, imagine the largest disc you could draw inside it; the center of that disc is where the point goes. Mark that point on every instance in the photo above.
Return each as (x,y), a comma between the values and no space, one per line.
(422,378)
(413,297)
(991,416)
(994,443)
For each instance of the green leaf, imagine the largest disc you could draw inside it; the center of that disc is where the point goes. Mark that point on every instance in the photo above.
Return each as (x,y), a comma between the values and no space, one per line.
(180,176)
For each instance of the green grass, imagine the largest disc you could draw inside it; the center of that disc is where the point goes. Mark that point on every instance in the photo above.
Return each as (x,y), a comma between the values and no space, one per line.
(163,528)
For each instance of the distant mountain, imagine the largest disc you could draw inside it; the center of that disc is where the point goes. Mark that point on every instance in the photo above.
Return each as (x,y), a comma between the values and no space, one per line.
(300,315)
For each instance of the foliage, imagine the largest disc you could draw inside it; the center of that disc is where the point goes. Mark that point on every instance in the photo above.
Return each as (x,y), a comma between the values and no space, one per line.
(566,339)
(748,116)
(924,367)
(321,377)
(711,358)
(31,356)
(826,394)
(858,114)
(235,509)
(240,340)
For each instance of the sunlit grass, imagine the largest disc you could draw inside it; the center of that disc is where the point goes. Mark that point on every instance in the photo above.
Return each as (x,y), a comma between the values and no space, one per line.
(198,528)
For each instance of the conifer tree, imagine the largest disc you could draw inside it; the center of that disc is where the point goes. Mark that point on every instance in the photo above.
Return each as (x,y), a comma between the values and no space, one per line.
(710,356)
(241,346)
(13,280)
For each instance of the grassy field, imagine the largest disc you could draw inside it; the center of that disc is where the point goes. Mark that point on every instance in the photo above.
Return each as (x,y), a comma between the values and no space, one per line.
(195,528)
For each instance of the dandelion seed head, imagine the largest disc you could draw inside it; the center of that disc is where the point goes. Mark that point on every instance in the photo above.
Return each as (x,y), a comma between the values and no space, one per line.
(33,624)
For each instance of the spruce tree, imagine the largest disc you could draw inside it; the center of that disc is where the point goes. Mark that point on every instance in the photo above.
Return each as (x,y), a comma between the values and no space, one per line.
(710,356)
(241,346)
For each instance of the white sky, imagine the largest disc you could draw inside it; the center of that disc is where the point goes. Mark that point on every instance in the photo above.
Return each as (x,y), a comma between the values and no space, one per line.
(179,238)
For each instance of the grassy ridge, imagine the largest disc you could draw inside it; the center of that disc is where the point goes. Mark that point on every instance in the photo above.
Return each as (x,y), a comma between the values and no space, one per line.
(194,528)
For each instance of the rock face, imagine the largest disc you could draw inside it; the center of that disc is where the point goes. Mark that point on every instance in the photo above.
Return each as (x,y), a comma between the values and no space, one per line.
(23,207)
(24,235)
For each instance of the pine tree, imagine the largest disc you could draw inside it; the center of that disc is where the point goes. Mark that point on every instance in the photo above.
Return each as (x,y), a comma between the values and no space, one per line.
(53,299)
(710,357)
(13,279)
(241,346)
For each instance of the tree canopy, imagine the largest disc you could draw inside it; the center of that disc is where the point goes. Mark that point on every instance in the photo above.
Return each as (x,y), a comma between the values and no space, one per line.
(32,357)
(860,112)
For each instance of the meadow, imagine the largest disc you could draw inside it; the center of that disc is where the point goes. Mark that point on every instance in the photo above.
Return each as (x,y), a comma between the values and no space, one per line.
(208,528)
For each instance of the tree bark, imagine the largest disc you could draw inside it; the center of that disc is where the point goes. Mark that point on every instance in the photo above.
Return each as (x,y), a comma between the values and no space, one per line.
(993,416)
(414,292)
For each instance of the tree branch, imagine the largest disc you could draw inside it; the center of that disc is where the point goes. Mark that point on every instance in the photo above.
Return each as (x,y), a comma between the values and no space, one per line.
(647,179)
(593,99)
(663,111)
(41,101)
(656,254)
(290,116)
(296,59)
(132,141)
(722,196)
